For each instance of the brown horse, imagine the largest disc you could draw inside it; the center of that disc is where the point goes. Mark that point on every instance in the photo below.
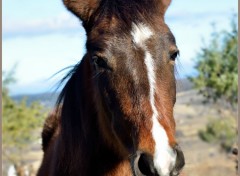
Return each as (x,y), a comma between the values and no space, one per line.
(116,115)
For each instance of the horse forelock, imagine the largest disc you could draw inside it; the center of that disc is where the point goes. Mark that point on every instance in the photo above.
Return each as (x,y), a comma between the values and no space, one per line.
(122,13)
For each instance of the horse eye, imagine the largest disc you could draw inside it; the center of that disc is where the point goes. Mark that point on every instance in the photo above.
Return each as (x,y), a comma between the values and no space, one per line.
(99,62)
(174,55)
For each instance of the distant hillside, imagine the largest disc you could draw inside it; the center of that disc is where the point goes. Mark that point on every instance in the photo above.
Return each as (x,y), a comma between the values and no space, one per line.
(49,99)
(46,99)
(184,85)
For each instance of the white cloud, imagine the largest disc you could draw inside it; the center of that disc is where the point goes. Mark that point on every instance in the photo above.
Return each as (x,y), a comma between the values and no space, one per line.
(64,23)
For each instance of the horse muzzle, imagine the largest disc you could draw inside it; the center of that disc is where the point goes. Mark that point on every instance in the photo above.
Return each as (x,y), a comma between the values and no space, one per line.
(143,165)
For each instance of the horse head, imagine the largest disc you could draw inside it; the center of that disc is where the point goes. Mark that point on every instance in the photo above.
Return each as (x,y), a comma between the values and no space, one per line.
(130,56)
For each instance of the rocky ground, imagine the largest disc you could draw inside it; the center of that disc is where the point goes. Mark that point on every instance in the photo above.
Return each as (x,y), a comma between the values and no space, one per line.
(202,159)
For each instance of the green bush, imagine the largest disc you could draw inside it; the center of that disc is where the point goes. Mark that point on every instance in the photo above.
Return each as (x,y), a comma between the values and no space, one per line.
(216,64)
(222,131)
(20,126)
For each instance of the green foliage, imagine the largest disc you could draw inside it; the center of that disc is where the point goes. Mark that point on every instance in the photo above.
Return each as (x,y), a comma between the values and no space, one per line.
(20,121)
(19,124)
(221,131)
(217,69)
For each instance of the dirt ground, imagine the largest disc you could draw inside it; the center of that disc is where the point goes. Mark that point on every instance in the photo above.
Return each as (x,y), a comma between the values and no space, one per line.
(202,159)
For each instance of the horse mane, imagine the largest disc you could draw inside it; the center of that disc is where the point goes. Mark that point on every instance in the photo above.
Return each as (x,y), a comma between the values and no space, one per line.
(78,135)
(51,123)
(72,102)
(125,12)
(73,125)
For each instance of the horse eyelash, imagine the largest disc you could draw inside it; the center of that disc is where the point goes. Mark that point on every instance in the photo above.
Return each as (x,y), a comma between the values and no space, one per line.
(98,74)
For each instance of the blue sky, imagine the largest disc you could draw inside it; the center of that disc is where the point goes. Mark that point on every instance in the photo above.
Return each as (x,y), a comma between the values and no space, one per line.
(42,37)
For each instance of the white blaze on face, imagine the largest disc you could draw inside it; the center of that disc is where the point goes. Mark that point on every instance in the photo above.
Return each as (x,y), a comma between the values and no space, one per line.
(164,157)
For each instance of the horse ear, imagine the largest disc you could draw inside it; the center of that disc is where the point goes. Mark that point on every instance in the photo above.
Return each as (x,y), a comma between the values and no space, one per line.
(164,5)
(82,8)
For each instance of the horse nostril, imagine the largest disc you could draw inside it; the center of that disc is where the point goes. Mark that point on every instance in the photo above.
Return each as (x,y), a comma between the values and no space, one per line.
(143,164)
(180,162)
